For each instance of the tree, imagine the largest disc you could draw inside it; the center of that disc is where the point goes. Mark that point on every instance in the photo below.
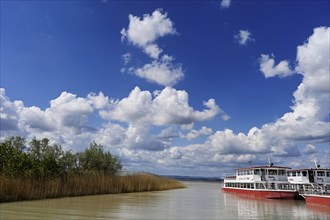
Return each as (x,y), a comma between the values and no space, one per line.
(94,160)
(13,158)
(46,158)
(69,163)
(42,160)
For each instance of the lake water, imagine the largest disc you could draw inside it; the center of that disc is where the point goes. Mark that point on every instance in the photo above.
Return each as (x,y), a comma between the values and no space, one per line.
(200,200)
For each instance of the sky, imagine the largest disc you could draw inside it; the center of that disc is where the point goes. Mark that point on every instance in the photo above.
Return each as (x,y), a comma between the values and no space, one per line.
(196,88)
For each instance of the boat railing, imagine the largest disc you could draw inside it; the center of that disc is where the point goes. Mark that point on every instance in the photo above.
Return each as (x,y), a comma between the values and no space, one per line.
(315,189)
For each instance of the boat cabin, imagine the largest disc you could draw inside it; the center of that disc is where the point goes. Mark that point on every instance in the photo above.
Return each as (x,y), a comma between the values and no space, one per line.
(260,177)
(306,176)
(262,173)
(310,179)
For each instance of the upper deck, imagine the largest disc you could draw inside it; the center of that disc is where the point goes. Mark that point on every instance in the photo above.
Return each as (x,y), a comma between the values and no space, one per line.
(260,173)
(309,176)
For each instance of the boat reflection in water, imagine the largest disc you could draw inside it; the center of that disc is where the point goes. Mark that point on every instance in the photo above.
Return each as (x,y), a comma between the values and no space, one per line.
(254,208)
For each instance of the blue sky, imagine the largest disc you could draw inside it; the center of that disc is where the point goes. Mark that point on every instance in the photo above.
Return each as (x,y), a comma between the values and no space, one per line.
(172,87)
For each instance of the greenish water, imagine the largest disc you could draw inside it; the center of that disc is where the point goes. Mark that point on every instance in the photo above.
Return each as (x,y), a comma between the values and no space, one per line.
(200,200)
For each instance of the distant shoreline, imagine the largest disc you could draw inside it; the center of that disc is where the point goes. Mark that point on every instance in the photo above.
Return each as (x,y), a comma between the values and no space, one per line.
(194,178)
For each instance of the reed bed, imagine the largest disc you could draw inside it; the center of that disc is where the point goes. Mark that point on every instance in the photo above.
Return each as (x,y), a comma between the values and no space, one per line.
(18,189)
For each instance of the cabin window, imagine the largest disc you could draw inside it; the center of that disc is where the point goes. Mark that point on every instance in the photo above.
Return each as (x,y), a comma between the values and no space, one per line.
(281,172)
(328,174)
(294,174)
(298,174)
(257,172)
(320,173)
(304,173)
(289,174)
(272,172)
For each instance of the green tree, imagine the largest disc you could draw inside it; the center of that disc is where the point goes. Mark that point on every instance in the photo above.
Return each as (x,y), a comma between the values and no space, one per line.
(46,158)
(13,159)
(69,163)
(42,160)
(95,160)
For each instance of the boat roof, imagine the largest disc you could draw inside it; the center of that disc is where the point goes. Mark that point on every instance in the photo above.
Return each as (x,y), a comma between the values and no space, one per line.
(264,167)
(310,169)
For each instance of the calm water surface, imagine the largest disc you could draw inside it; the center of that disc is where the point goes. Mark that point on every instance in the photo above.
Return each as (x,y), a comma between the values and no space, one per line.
(200,200)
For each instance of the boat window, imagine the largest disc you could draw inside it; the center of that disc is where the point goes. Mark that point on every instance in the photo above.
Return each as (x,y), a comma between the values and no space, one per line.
(328,174)
(257,172)
(298,174)
(320,173)
(293,173)
(289,174)
(272,172)
(281,172)
(304,173)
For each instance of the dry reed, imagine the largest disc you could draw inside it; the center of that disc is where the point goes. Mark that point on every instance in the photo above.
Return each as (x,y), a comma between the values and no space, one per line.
(17,189)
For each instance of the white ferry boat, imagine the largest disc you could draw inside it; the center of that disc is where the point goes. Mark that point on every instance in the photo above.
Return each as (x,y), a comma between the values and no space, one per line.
(310,180)
(268,182)
(313,184)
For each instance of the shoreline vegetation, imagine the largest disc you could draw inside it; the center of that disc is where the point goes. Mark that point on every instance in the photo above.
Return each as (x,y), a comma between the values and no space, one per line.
(21,189)
(43,171)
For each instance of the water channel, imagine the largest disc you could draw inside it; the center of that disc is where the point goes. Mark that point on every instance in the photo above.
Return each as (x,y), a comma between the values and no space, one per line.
(200,200)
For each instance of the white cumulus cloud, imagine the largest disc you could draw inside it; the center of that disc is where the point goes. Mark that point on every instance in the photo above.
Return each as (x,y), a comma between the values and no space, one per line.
(310,149)
(269,69)
(143,32)
(162,72)
(243,37)
(308,119)
(166,107)
(9,112)
(193,134)
(225,3)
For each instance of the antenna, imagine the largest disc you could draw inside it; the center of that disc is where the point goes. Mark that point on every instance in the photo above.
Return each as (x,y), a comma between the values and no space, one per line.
(250,161)
(316,165)
(269,162)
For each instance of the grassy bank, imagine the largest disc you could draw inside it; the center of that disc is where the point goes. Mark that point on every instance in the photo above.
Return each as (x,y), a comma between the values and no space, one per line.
(18,189)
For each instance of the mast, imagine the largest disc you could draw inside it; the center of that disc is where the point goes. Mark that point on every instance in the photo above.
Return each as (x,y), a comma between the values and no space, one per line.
(269,162)
(316,165)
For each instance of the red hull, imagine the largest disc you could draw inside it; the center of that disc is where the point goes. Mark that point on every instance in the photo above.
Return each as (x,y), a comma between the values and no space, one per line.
(263,194)
(317,200)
